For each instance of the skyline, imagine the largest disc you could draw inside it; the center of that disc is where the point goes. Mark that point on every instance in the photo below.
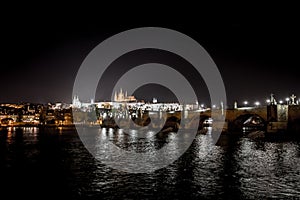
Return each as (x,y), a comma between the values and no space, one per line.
(289,100)
(255,59)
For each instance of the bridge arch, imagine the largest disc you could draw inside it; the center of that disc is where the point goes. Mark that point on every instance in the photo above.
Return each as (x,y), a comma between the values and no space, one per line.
(194,119)
(173,122)
(249,121)
(203,118)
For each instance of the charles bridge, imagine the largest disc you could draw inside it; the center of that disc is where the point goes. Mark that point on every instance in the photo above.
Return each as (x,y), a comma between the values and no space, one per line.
(272,118)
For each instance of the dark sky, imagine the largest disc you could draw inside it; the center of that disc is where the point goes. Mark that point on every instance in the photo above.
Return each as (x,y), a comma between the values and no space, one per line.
(41,54)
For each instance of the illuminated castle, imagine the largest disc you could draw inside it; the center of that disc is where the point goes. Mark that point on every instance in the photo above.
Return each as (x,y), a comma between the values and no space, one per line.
(76,102)
(121,97)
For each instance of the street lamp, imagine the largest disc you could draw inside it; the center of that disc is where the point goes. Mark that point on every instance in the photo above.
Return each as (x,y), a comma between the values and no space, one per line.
(268,101)
(245,103)
(287,100)
(280,101)
(257,103)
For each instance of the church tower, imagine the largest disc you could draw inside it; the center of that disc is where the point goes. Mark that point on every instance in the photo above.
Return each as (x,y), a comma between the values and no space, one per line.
(116,96)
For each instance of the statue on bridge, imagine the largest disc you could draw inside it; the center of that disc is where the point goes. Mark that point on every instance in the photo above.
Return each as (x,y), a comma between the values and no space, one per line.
(293,97)
(272,100)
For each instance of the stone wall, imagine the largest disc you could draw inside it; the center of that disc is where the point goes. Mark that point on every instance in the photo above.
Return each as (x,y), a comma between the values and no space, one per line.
(294,118)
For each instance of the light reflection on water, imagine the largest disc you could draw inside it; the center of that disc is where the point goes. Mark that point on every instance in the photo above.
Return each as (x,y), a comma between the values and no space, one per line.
(279,162)
(56,163)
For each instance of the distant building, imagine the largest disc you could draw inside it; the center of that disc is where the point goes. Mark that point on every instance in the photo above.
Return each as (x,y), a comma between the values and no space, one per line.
(76,102)
(154,100)
(121,97)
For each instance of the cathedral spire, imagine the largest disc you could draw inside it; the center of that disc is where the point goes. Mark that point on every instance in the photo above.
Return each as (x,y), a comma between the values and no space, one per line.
(116,97)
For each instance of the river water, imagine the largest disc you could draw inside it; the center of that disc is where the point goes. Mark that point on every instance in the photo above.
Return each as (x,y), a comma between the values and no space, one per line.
(40,164)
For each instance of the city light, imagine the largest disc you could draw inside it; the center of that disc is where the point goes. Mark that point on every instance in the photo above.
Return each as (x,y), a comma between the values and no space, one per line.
(287,100)
(31,113)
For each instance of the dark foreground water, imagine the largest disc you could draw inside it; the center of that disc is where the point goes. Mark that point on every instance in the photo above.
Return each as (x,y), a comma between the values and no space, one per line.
(54,163)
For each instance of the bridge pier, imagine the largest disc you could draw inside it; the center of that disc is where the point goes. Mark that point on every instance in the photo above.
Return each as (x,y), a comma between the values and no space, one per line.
(277,118)
(294,118)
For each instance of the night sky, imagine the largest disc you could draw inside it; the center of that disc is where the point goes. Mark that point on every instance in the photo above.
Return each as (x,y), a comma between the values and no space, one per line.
(41,55)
